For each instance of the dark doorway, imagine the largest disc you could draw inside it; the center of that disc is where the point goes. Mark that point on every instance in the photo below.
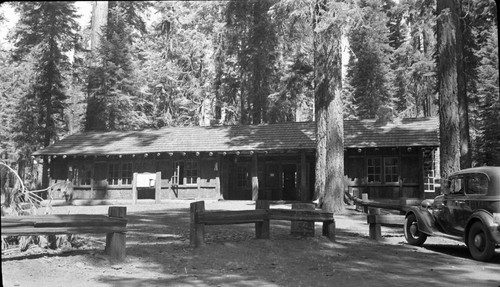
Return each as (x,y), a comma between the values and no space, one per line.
(289,175)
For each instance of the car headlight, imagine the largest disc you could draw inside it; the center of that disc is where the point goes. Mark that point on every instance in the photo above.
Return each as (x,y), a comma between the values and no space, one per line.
(496,218)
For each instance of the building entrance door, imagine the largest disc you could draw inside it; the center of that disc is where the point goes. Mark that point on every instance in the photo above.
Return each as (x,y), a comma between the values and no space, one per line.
(289,176)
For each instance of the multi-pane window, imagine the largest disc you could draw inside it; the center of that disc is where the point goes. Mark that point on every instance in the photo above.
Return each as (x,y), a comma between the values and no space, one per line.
(374,169)
(243,177)
(126,173)
(185,172)
(82,175)
(391,172)
(191,170)
(120,173)
(429,171)
(382,169)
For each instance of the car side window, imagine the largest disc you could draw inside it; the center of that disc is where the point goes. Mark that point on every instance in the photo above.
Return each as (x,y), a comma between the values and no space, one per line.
(457,185)
(477,184)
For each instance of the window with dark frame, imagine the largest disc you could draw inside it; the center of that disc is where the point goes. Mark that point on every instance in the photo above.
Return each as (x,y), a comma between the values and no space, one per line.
(382,169)
(243,177)
(374,173)
(120,173)
(82,175)
(391,169)
(185,172)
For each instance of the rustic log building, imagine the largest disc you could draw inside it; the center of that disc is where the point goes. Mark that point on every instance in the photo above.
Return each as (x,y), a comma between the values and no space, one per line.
(275,161)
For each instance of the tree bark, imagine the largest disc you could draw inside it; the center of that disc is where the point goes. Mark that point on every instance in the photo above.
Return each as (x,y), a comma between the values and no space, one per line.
(448,87)
(99,21)
(463,106)
(329,186)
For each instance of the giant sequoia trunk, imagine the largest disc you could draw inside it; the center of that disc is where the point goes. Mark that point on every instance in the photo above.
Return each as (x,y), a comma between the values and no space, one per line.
(99,21)
(463,106)
(329,186)
(449,127)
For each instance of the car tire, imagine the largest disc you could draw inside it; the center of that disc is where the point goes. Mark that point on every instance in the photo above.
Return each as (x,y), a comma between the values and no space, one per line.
(480,245)
(412,234)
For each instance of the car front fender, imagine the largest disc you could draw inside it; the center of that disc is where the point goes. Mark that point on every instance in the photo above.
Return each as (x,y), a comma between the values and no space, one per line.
(425,220)
(487,220)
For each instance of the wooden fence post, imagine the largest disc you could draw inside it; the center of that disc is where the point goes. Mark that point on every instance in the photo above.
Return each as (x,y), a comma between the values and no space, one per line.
(197,231)
(375,228)
(364,197)
(329,229)
(116,241)
(262,228)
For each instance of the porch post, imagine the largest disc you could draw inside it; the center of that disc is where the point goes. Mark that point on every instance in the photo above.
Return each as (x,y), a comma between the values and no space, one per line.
(134,188)
(304,192)
(157,187)
(421,192)
(255,179)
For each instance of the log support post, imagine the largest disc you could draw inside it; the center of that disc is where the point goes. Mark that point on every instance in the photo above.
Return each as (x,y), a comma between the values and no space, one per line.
(116,241)
(255,178)
(262,228)
(197,230)
(158,187)
(375,228)
(304,192)
(134,188)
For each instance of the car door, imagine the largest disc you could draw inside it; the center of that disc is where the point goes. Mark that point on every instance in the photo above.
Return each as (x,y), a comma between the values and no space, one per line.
(449,217)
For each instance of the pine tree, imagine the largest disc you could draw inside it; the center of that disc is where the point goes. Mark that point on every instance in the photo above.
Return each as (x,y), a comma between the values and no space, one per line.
(251,43)
(46,31)
(368,67)
(110,88)
(489,93)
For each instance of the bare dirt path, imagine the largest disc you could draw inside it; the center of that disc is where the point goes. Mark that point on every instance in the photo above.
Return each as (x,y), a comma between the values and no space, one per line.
(158,254)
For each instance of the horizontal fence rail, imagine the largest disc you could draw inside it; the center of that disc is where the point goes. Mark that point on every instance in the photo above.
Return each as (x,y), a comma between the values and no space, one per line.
(114,225)
(260,216)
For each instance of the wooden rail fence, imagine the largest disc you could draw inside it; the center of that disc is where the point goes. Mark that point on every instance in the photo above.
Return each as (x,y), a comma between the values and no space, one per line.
(261,216)
(114,225)
(376,220)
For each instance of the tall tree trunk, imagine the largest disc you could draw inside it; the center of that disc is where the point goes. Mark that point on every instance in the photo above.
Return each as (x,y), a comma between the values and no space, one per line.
(329,186)
(463,107)
(448,86)
(99,21)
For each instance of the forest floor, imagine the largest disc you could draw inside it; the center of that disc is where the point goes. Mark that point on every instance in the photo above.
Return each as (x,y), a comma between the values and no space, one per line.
(159,254)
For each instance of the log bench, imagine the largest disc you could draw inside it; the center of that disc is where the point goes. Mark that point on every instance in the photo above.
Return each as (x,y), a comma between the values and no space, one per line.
(261,216)
(376,220)
(114,225)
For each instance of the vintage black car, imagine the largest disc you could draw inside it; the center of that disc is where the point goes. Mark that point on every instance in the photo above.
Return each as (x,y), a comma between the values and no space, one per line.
(469,211)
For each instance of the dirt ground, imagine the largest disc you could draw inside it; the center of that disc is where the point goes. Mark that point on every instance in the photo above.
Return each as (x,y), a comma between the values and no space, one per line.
(158,254)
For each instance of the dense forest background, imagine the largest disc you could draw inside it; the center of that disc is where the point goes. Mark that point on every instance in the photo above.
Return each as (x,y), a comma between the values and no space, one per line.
(230,62)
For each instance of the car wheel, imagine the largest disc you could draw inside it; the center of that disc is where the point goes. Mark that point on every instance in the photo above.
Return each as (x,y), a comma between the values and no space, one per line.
(412,234)
(480,245)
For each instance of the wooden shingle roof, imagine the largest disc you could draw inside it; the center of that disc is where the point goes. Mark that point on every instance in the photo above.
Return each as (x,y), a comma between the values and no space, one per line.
(271,137)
